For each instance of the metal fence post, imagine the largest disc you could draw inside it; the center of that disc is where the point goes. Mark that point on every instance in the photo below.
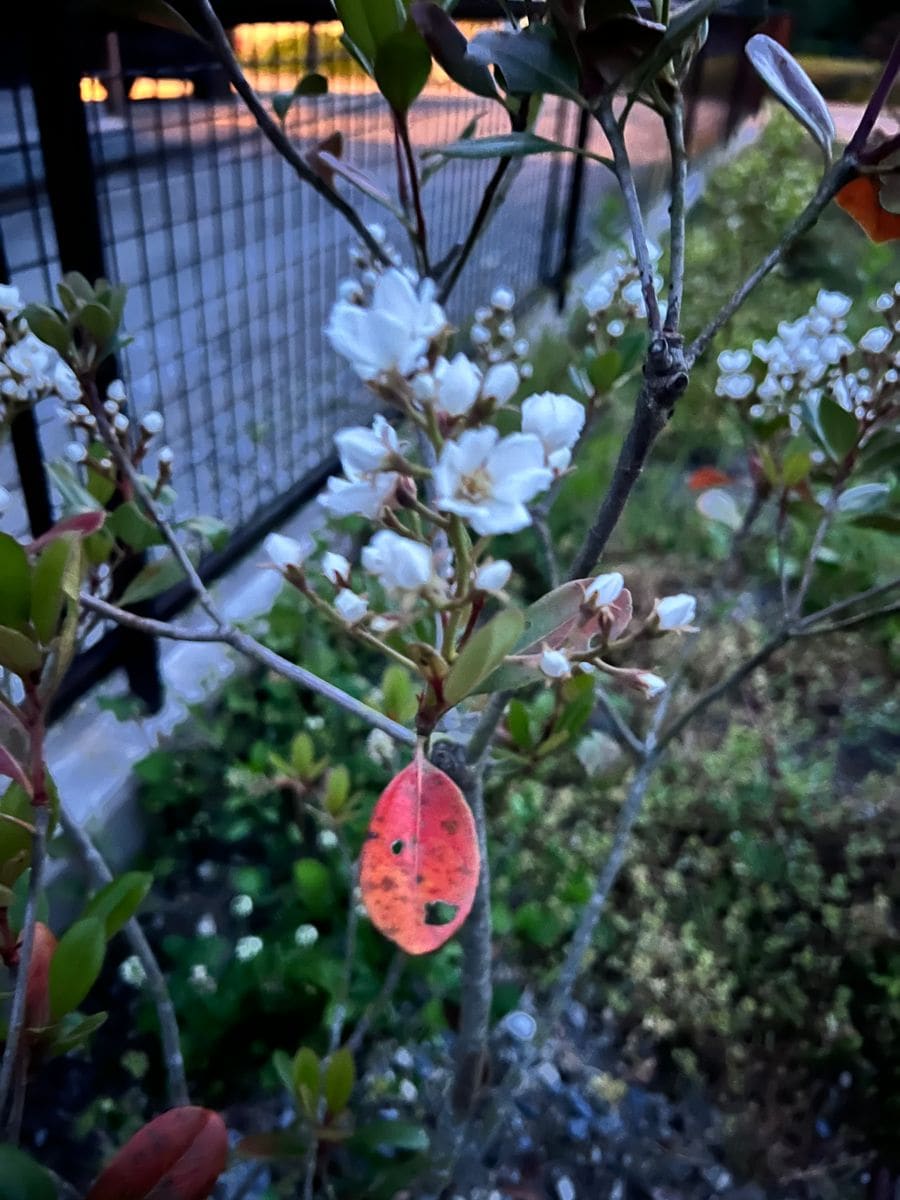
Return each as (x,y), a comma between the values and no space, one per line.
(71,189)
(573,212)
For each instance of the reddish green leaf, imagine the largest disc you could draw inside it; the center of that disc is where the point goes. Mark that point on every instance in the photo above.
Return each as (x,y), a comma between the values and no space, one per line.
(37,989)
(420,862)
(177,1156)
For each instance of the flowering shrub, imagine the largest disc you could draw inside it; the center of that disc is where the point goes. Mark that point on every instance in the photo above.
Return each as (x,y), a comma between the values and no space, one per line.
(462,450)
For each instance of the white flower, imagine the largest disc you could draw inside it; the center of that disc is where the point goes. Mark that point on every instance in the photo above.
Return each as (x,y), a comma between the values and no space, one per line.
(335,568)
(152,422)
(399,563)
(732,361)
(833,304)
(557,421)
(555,665)
(651,685)
(876,340)
(391,333)
(489,480)
(286,552)
(616,328)
(735,387)
(600,295)
(479,335)
(306,935)
(131,970)
(501,382)
(248,947)
(676,612)
(379,747)
(10,299)
(201,979)
(327,839)
(493,576)
(241,905)
(350,606)
(605,589)
(458,383)
(359,497)
(364,451)
(206,927)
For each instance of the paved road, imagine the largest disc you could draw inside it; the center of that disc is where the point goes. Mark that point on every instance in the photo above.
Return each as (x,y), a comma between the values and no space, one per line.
(233,267)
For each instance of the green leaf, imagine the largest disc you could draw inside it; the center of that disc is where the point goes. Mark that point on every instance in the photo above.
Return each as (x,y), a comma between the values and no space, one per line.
(74,1031)
(98,321)
(790,84)
(337,789)
(796,467)
(284,1068)
(531,61)
(22,1179)
(15,842)
(308,85)
(402,67)
(838,428)
(369,23)
(158,576)
(604,369)
(75,497)
(48,325)
(313,882)
(340,1076)
(15,590)
(75,965)
(391,1135)
(482,654)
(541,622)
(57,574)
(450,50)
(518,724)
(865,498)
(119,900)
(152,12)
(210,529)
(306,1078)
(20,902)
(883,522)
(18,653)
(129,524)
(510,145)
(398,694)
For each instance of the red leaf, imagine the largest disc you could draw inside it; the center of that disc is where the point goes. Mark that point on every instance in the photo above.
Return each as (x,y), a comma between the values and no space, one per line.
(37,994)
(84,524)
(861,198)
(177,1156)
(421,850)
(707,477)
(14,770)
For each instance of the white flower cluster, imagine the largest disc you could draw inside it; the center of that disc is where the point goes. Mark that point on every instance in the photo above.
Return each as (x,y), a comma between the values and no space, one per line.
(29,369)
(617,293)
(813,355)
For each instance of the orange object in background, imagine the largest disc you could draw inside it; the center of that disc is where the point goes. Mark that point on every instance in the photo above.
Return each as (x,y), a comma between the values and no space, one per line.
(861,198)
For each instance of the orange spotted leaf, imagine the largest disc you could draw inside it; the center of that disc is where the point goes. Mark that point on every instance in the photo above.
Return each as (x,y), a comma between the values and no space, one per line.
(37,992)
(177,1156)
(861,198)
(420,862)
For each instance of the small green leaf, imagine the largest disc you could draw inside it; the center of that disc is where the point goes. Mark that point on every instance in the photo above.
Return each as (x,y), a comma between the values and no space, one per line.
(865,498)
(48,325)
(392,1135)
(791,85)
(796,467)
(306,1076)
(340,1076)
(22,1179)
(74,1031)
(402,67)
(119,900)
(518,724)
(56,573)
(839,428)
(98,321)
(129,524)
(604,369)
(531,61)
(158,576)
(284,1068)
(209,529)
(337,789)
(15,590)
(18,653)
(369,23)
(482,654)
(309,85)
(398,694)
(75,965)
(313,882)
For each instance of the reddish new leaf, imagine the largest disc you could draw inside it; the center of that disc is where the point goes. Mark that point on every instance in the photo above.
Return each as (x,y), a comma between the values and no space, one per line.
(707,477)
(84,524)
(177,1156)
(37,991)
(420,863)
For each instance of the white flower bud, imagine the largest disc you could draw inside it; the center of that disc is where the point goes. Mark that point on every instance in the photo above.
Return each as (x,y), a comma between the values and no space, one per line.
(206,927)
(503,299)
(875,341)
(555,665)
(351,608)
(306,935)
(833,304)
(676,612)
(501,383)
(284,551)
(615,328)
(241,905)
(152,422)
(605,589)
(651,685)
(116,391)
(166,456)
(75,452)
(507,330)
(335,568)
(480,335)
(733,361)
(247,948)
(110,407)
(120,423)
(493,576)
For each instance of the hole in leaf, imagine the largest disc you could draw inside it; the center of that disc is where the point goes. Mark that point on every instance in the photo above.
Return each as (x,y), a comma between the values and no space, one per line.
(439,912)
(397,847)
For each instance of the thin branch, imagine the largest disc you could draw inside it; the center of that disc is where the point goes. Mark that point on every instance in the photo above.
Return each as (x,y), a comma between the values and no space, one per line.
(218,40)
(876,104)
(625,176)
(545,541)
(375,1008)
(675,132)
(250,648)
(96,869)
(841,606)
(480,741)
(864,618)
(416,188)
(620,729)
(819,536)
(16,1024)
(830,185)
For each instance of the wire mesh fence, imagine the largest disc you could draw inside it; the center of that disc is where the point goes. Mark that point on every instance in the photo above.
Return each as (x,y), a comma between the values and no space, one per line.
(232,265)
